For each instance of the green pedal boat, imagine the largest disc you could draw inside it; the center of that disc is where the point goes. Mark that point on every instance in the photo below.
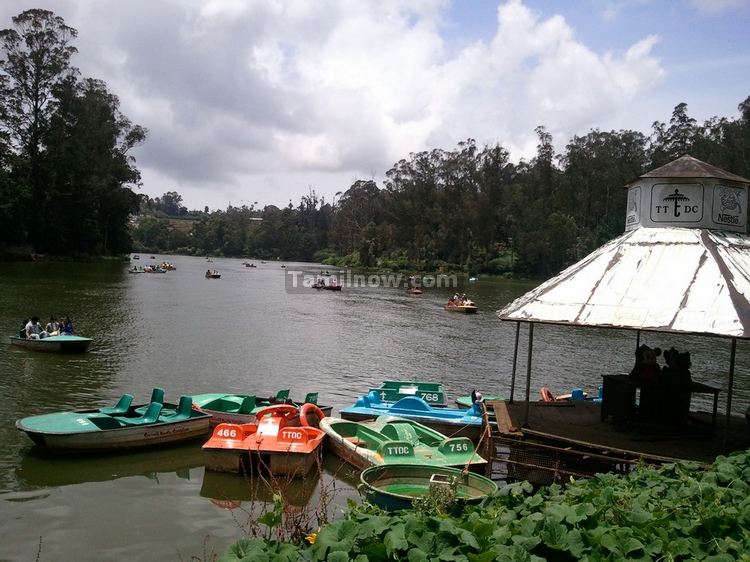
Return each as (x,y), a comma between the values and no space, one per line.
(393,440)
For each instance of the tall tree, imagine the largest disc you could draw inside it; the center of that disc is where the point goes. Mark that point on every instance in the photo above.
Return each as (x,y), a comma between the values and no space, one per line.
(35,59)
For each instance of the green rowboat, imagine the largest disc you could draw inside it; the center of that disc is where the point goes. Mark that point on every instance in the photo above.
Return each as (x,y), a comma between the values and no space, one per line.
(117,428)
(241,408)
(396,486)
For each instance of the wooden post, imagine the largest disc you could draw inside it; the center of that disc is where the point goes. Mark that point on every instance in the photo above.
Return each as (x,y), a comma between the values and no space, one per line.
(528,374)
(729,391)
(515,360)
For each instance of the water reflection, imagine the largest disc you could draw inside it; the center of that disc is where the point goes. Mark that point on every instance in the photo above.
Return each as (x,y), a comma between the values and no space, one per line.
(39,468)
(244,333)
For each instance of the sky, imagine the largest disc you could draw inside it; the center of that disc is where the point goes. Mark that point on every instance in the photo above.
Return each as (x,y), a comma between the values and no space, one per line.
(262,101)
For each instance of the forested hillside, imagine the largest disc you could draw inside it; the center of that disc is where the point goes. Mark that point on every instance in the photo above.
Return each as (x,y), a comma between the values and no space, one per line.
(470,208)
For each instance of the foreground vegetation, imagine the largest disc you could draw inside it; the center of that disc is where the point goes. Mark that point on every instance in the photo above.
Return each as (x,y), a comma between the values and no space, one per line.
(675,512)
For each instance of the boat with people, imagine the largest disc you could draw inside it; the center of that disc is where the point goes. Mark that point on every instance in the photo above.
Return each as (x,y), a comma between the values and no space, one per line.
(282,441)
(415,291)
(212,274)
(167,266)
(449,421)
(243,408)
(136,269)
(395,440)
(395,486)
(154,269)
(461,304)
(395,390)
(119,427)
(54,344)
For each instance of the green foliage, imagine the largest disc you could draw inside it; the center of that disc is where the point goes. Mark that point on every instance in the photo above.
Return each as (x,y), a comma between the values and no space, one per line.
(676,512)
(63,144)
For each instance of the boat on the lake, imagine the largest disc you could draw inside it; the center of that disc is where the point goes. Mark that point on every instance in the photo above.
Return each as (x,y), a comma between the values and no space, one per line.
(212,274)
(117,428)
(396,486)
(393,391)
(449,421)
(394,440)
(415,291)
(476,396)
(463,305)
(136,269)
(154,269)
(242,408)
(53,344)
(281,442)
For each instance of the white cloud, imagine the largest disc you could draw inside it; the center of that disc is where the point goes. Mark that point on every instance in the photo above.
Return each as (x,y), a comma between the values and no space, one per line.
(241,97)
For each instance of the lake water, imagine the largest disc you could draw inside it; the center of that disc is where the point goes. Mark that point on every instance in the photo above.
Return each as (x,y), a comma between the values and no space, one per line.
(248,332)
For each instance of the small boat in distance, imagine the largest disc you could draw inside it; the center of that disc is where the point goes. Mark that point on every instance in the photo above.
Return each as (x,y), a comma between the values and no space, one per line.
(461,304)
(54,344)
(212,274)
(415,291)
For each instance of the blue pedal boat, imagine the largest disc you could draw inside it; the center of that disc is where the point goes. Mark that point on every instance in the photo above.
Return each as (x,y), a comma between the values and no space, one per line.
(452,422)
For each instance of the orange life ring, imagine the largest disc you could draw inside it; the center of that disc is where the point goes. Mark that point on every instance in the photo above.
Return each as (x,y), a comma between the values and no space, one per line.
(546,394)
(285,411)
(307,408)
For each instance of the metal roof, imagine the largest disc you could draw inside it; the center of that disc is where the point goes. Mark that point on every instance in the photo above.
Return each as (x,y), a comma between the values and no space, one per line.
(689,167)
(662,279)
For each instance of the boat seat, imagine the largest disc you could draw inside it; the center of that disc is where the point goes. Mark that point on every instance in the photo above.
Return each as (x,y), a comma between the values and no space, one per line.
(400,432)
(151,415)
(157,395)
(122,406)
(282,395)
(311,398)
(247,405)
(184,409)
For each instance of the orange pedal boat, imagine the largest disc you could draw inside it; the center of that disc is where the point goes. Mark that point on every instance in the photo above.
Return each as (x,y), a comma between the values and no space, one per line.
(275,443)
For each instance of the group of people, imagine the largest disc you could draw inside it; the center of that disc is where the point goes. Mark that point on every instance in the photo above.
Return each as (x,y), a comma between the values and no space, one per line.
(457,299)
(32,329)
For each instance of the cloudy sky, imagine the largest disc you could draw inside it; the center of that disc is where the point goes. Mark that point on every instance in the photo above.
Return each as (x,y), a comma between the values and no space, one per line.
(262,100)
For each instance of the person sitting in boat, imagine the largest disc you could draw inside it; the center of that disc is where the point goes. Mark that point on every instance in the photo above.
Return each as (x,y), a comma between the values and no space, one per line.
(22,332)
(463,298)
(34,329)
(53,327)
(67,327)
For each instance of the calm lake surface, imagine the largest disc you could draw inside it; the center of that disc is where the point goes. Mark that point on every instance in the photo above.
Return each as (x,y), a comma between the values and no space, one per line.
(248,332)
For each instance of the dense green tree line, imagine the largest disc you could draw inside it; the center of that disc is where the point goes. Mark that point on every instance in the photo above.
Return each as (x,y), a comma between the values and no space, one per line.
(64,164)
(472,208)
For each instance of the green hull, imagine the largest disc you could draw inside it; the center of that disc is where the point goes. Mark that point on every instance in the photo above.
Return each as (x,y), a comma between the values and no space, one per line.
(54,344)
(95,430)
(393,440)
(241,408)
(395,487)
(393,391)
